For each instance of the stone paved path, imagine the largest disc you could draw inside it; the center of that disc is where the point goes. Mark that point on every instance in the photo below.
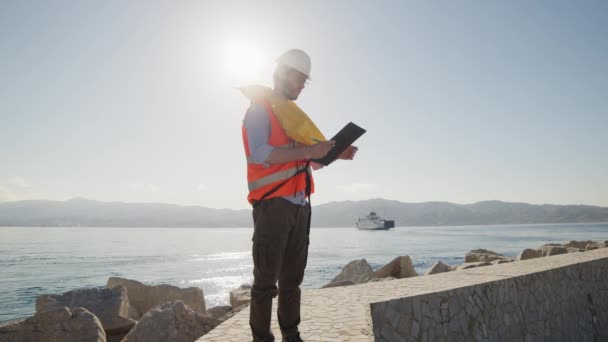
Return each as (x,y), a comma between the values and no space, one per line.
(343,313)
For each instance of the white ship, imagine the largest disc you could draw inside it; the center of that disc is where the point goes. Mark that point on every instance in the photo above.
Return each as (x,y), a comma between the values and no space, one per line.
(374,222)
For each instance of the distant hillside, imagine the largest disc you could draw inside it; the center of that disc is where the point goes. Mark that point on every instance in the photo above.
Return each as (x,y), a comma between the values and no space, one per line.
(340,214)
(90,213)
(83,212)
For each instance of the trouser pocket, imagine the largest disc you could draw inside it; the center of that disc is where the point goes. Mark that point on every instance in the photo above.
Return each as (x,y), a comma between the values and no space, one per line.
(264,259)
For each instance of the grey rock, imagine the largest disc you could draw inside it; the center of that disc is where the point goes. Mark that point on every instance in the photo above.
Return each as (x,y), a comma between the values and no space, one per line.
(111,306)
(468,265)
(172,321)
(479,255)
(240,296)
(143,297)
(357,271)
(398,268)
(219,311)
(553,249)
(529,254)
(500,261)
(438,267)
(596,245)
(60,324)
(578,244)
(116,337)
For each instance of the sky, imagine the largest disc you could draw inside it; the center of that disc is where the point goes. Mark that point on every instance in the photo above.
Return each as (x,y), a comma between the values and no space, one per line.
(463,101)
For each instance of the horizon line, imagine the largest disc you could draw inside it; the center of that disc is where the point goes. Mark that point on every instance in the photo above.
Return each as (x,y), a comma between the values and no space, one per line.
(76,198)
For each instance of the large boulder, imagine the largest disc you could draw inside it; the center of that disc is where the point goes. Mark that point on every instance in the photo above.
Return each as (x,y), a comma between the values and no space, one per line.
(61,324)
(400,267)
(480,255)
(574,249)
(578,244)
(529,254)
(357,271)
(219,311)
(111,306)
(595,245)
(552,249)
(240,296)
(438,267)
(468,265)
(172,321)
(143,297)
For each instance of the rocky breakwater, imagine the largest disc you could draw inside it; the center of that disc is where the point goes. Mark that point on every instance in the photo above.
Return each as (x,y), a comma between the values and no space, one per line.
(359,271)
(125,310)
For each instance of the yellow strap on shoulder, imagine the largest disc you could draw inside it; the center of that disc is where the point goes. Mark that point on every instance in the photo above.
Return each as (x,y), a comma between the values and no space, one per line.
(294,121)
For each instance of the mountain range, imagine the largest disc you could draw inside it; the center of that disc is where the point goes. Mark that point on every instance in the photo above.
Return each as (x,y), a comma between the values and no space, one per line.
(90,213)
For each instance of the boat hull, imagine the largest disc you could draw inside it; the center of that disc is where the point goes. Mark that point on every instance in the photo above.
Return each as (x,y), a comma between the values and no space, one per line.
(372,226)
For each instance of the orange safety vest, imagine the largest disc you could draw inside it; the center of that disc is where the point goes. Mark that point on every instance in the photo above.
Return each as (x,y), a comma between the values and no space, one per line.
(262,179)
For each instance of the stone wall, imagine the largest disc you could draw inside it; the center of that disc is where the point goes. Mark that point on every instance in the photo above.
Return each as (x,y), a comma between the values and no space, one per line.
(558,298)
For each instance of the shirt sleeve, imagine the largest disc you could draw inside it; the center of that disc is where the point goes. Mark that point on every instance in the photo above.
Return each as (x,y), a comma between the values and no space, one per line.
(257,126)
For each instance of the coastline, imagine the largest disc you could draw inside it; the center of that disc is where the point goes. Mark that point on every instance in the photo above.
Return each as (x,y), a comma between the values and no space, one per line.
(145,308)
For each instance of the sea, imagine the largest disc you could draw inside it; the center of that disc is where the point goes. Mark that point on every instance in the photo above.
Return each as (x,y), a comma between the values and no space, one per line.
(36,260)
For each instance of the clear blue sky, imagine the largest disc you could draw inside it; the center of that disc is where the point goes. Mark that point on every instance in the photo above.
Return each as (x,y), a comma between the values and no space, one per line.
(463,100)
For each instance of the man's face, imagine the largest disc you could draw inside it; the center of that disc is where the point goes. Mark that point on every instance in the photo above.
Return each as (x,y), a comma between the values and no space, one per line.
(293,84)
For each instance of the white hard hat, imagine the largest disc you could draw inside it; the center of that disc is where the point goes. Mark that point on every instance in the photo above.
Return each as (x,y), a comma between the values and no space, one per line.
(296,59)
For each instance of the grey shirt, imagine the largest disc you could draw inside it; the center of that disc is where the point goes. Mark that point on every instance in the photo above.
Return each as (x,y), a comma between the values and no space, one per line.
(257,126)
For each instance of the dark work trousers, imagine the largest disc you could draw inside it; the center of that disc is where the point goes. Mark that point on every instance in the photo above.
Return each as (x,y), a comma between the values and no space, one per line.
(280,250)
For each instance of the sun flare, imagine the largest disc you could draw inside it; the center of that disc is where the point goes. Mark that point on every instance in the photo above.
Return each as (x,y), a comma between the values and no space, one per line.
(243,62)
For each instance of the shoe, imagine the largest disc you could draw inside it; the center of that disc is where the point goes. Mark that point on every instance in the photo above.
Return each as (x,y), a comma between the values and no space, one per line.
(293,338)
(268,339)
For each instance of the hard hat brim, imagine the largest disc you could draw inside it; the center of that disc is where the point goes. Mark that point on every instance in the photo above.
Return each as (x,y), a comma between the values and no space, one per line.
(294,69)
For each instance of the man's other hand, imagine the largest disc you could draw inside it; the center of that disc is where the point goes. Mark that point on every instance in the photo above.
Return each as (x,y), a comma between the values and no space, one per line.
(349,153)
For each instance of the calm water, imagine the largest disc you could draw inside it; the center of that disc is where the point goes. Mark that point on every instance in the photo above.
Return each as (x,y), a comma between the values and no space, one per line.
(35,261)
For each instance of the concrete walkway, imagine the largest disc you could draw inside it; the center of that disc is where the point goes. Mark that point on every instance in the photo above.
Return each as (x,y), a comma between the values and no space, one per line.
(333,314)
(343,313)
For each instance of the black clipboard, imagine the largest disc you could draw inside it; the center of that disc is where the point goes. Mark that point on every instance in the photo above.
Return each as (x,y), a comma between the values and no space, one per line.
(346,137)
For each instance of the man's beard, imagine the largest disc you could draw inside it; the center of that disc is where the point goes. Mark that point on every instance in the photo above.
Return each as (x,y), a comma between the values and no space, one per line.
(288,93)
(292,97)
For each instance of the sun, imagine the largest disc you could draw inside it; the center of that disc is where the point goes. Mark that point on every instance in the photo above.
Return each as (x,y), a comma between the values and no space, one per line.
(243,61)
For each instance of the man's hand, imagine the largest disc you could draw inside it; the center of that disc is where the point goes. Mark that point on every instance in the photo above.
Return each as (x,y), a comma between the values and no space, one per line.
(349,153)
(320,149)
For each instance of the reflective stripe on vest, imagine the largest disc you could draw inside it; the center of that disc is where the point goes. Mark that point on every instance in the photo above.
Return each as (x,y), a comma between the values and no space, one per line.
(275,177)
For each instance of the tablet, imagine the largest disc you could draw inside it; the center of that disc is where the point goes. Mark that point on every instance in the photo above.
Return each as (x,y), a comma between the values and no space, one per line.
(346,137)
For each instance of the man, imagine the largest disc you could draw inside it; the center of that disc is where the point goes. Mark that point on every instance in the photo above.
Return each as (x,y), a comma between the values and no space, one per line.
(280,180)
